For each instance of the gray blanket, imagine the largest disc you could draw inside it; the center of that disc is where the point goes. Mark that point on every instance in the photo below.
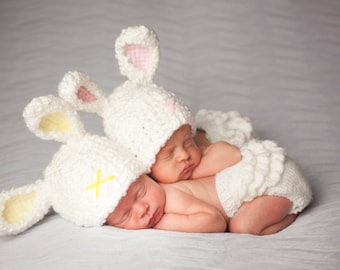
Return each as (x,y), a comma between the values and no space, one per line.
(277,62)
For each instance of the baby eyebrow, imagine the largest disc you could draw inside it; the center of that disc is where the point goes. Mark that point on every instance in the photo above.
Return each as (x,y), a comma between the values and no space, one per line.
(166,148)
(164,152)
(141,191)
(126,210)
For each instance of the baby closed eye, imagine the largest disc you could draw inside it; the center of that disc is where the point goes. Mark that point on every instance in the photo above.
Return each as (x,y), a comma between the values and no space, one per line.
(165,155)
(141,191)
(125,217)
(188,143)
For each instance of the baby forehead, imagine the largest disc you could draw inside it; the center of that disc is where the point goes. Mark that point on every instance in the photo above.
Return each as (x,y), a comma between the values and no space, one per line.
(182,132)
(133,187)
(183,129)
(126,202)
(141,181)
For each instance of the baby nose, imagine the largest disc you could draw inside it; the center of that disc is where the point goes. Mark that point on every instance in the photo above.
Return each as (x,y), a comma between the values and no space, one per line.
(182,154)
(141,209)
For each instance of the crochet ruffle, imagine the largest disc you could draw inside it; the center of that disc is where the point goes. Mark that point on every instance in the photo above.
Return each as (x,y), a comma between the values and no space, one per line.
(230,126)
(261,167)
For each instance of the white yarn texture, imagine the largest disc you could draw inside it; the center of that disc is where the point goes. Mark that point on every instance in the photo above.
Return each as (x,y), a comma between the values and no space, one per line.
(73,173)
(144,118)
(230,126)
(263,170)
(85,180)
(42,205)
(138,114)
(141,115)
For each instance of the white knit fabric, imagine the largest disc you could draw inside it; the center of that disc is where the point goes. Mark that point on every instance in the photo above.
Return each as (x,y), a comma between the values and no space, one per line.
(148,42)
(39,107)
(138,114)
(42,205)
(263,170)
(85,179)
(76,166)
(141,115)
(74,85)
(230,126)
(144,118)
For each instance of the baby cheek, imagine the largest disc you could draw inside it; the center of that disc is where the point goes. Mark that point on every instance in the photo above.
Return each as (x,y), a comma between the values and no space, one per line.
(196,154)
(140,223)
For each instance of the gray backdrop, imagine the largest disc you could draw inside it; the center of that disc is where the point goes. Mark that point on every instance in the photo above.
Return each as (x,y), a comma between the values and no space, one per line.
(277,62)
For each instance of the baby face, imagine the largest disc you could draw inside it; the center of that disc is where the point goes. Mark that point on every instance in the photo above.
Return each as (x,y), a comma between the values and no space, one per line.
(178,158)
(141,208)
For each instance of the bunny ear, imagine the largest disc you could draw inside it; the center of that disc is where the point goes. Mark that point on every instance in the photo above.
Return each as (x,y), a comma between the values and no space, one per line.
(83,94)
(51,118)
(23,207)
(137,52)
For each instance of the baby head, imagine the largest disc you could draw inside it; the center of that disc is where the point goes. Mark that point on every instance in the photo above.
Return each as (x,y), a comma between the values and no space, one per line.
(83,183)
(141,114)
(144,119)
(143,205)
(141,208)
(138,114)
(178,158)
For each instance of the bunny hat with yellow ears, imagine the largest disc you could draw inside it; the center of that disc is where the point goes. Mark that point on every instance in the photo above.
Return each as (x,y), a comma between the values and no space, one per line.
(140,114)
(85,179)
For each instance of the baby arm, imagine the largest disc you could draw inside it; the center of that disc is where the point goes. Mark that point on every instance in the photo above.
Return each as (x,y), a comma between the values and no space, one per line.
(185,213)
(215,158)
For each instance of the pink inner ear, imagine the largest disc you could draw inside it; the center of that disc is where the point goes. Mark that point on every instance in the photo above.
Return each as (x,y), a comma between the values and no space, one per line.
(85,95)
(138,55)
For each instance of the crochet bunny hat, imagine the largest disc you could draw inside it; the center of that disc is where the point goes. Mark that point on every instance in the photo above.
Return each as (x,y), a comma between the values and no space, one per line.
(85,180)
(138,114)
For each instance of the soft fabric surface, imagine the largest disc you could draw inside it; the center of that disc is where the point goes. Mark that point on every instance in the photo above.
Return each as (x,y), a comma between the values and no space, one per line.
(277,62)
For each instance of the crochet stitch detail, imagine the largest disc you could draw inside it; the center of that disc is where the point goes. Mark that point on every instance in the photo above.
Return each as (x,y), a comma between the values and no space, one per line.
(261,167)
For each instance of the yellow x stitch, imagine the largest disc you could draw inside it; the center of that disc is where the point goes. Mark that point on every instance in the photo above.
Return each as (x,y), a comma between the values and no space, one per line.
(96,184)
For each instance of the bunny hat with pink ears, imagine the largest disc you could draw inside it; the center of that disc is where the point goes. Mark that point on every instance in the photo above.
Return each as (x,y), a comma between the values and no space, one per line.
(140,114)
(85,179)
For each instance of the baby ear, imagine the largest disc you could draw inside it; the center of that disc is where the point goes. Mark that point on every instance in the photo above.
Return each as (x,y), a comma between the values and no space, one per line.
(82,93)
(137,52)
(51,118)
(23,207)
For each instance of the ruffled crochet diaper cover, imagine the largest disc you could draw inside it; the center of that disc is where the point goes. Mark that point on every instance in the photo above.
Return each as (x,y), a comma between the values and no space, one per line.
(263,170)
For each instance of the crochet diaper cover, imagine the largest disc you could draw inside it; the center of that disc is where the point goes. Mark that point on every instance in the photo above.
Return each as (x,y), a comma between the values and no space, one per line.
(263,170)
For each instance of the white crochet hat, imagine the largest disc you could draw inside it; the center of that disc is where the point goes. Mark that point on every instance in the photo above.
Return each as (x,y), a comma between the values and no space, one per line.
(85,180)
(138,114)
(144,118)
